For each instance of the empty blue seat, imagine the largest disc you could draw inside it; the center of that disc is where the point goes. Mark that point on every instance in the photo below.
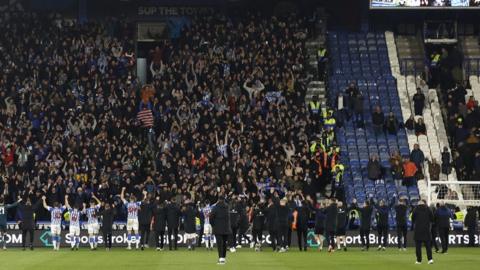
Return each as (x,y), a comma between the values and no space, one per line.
(363,57)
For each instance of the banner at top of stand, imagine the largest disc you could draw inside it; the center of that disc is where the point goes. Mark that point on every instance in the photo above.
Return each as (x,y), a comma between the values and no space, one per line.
(159,11)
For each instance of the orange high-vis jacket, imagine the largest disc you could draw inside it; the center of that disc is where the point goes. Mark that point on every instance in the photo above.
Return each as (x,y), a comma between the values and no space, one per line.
(409,169)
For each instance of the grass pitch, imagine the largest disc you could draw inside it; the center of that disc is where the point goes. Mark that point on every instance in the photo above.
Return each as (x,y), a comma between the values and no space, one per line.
(118,259)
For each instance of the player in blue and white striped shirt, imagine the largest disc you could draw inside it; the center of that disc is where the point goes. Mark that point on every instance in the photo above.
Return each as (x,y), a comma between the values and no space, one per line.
(132,218)
(92,221)
(56,213)
(74,228)
(207,227)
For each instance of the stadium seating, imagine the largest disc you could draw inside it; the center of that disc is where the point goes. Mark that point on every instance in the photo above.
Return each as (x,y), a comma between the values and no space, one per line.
(363,58)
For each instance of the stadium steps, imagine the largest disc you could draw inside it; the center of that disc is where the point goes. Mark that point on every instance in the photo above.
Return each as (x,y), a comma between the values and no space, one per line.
(436,137)
(475,83)
(470,48)
(409,47)
(316,88)
(312,47)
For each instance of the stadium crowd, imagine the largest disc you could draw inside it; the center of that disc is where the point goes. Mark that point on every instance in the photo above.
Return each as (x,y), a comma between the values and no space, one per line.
(228,112)
(224,119)
(462,114)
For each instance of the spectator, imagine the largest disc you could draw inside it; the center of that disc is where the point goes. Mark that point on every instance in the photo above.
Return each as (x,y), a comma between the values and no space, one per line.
(446,161)
(396,167)
(378,120)
(342,112)
(434,170)
(374,168)
(358,109)
(419,102)
(461,134)
(391,124)
(417,156)
(409,172)
(471,103)
(351,94)
(420,128)
(410,123)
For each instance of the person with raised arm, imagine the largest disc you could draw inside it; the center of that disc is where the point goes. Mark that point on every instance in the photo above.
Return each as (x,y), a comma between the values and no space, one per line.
(3,218)
(74,227)
(93,226)
(56,221)
(133,206)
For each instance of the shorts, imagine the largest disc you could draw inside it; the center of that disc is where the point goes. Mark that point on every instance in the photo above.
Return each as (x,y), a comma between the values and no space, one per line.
(3,227)
(132,225)
(93,228)
(56,229)
(320,231)
(207,229)
(190,235)
(75,230)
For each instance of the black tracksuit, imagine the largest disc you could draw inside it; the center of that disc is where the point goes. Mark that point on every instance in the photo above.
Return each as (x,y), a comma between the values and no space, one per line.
(189,215)
(365,223)
(303,212)
(258,224)
(234,223)
(27,219)
(331,213)
(242,223)
(283,216)
(173,220)
(442,218)
(107,224)
(422,219)
(220,220)
(382,224)
(471,224)
(341,221)
(159,223)
(401,222)
(272,224)
(144,220)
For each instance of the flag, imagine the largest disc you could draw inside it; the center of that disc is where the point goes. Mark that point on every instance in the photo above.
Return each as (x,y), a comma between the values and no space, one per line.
(145,116)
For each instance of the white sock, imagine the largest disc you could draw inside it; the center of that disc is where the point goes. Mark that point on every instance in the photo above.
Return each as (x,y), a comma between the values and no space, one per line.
(54,242)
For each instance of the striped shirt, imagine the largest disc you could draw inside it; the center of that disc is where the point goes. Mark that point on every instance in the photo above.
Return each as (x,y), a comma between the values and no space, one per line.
(206,214)
(92,214)
(56,215)
(132,209)
(74,217)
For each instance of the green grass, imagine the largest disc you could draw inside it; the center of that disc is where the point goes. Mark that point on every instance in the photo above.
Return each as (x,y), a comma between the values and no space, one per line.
(118,259)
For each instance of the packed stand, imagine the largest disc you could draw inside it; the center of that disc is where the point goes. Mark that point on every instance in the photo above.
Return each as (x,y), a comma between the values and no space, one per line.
(227,105)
